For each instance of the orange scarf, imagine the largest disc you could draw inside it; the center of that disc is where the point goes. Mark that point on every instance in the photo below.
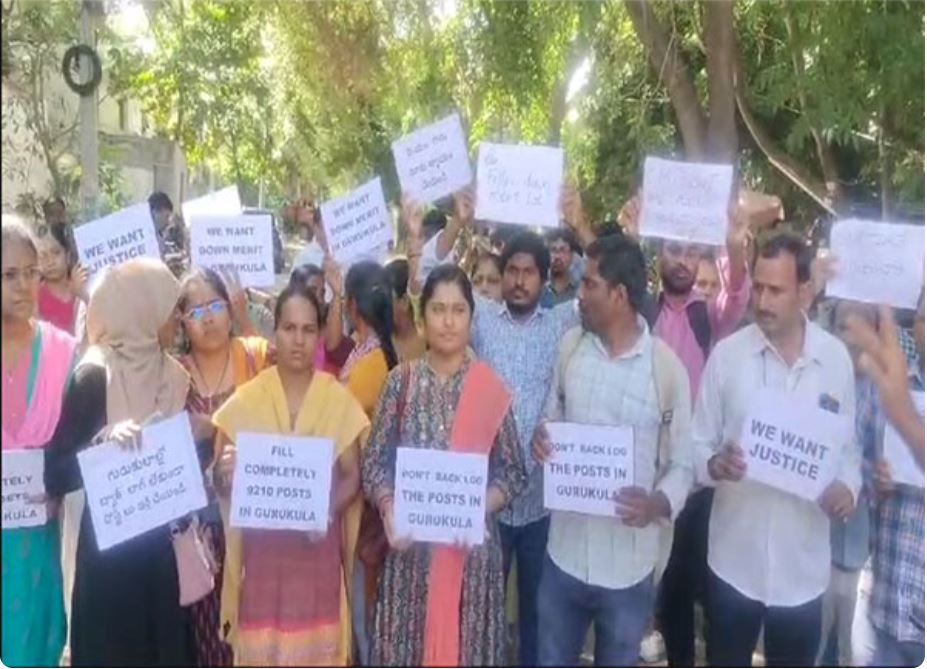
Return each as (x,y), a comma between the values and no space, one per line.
(484,403)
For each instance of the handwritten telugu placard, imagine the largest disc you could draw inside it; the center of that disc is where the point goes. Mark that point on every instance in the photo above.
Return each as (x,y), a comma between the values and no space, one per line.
(243,242)
(357,223)
(114,239)
(130,492)
(224,202)
(282,482)
(23,484)
(440,497)
(901,463)
(686,201)
(588,466)
(878,262)
(791,444)
(519,184)
(432,161)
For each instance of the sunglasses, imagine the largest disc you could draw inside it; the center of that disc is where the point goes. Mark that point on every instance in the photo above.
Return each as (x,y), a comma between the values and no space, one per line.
(199,313)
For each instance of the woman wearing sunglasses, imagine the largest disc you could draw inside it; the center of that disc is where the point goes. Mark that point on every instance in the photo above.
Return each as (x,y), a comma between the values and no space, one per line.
(217,363)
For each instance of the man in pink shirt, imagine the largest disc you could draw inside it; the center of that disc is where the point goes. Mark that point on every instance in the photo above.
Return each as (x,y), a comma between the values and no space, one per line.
(691,325)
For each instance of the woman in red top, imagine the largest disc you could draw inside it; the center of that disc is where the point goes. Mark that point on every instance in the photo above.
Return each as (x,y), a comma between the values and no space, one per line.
(63,280)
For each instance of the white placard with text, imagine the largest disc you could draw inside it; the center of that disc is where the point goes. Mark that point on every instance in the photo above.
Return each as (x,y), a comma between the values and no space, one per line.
(114,239)
(130,492)
(282,482)
(23,485)
(440,496)
(245,242)
(432,161)
(686,201)
(588,466)
(519,184)
(357,223)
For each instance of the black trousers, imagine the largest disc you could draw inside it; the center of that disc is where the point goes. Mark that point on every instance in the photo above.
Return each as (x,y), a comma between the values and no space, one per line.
(790,633)
(685,580)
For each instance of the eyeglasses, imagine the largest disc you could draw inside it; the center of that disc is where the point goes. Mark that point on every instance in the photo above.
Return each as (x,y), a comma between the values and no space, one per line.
(199,313)
(28,274)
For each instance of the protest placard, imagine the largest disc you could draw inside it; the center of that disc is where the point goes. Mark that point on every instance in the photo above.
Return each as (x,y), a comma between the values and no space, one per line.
(588,466)
(790,443)
(23,482)
(440,496)
(686,201)
(224,202)
(519,184)
(243,242)
(357,223)
(877,262)
(901,462)
(282,482)
(123,235)
(130,492)
(432,161)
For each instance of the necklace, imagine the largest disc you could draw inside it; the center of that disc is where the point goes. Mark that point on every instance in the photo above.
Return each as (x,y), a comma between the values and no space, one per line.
(210,392)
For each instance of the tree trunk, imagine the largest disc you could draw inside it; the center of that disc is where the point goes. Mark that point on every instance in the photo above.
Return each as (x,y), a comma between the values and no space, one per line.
(674,73)
(721,142)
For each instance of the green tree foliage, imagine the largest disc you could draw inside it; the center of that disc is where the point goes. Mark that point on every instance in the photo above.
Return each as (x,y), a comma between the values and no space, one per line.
(305,98)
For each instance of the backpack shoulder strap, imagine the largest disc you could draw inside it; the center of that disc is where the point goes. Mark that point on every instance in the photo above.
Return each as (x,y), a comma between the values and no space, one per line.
(697,312)
(568,345)
(664,382)
(405,376)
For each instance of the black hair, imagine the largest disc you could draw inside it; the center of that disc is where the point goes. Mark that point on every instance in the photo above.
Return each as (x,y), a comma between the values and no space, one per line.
(435,221)
(303,274)
(159,200)
(64,237)
(494,258)
(447,274)
(397,271)
(14,231)
(51,202)
(367,285)
(532,244)
(566,236)
(795,246)
(294,290)
(621,262)
(210,276)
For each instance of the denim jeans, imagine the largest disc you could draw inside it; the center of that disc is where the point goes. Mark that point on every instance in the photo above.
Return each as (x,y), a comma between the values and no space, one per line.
(528,544)
(790,633)
(566,608)
(875,648)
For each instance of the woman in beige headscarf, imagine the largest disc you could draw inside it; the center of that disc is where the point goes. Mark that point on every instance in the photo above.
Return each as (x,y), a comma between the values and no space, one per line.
(125,607)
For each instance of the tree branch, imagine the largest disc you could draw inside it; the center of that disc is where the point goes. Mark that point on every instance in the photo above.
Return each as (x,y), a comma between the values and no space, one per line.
(674,73)
(825,154)
(779,159)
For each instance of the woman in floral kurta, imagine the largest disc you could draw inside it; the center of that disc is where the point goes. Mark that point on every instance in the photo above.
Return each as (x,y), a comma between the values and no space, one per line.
(417,410)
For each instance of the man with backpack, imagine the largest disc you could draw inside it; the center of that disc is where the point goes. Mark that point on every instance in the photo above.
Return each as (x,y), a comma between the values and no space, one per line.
(611,371)
(691,325)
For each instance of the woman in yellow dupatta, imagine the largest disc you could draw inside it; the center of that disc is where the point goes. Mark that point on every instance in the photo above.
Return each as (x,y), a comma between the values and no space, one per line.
(284,593)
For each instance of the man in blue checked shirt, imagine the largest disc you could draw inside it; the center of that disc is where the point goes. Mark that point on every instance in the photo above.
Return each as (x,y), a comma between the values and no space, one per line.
(888,628)
(519,339)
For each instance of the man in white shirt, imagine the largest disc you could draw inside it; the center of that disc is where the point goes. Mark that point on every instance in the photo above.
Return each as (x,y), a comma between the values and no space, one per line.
(768,550)
(598,569)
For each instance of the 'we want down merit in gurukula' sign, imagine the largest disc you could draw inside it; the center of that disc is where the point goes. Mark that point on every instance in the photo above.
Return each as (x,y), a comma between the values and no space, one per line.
(243,242)
(791,444)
